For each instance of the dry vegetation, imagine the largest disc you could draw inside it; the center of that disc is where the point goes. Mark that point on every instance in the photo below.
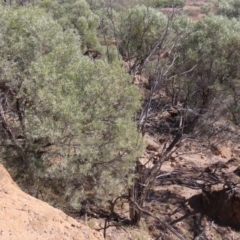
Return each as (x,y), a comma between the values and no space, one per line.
(181,194)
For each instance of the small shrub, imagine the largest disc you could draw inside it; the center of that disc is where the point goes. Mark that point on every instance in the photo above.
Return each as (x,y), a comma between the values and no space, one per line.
(168,3)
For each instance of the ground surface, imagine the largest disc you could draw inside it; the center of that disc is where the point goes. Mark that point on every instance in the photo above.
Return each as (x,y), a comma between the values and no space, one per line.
(176,197)
(24,217)
(193,8)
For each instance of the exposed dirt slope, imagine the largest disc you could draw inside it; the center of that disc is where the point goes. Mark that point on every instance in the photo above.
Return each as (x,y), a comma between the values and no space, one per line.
(24,217)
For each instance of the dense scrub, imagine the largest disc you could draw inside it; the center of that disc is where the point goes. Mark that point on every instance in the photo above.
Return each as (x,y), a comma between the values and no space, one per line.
(70,122)
(58,104)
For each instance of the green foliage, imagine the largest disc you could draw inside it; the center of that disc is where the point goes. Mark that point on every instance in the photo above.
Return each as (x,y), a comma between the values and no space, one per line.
(214,44)
(116,5)
(112,54)
(208,57)
(75,14)
(108,19)
(167,3)
(65,106)
(230,8)
(144,27)
(206,9)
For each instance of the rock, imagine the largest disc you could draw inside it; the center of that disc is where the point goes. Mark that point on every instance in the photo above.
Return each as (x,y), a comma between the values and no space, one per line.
(151,144)
(138,79)
(24,217)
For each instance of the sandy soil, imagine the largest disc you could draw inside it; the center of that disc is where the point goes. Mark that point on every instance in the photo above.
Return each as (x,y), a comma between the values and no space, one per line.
(24,217)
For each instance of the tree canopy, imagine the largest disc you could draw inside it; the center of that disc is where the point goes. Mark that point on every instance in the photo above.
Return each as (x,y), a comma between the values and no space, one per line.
(55,102)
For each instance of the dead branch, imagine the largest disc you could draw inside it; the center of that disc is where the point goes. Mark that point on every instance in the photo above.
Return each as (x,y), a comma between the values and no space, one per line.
(159,220)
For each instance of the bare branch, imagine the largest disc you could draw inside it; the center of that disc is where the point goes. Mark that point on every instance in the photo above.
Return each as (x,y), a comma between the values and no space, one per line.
(159,220)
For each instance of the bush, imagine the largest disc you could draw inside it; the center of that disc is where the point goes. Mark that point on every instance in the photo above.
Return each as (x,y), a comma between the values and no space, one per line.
(167,3)
(208,57)
(59,104)
(230,8)
(139,30)
(74,14)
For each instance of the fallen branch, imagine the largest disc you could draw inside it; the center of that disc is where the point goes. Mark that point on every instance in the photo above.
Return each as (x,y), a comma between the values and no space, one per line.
(159,220)
(166,174)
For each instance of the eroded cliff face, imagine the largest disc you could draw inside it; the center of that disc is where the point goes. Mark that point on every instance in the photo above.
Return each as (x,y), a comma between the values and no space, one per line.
(24,217)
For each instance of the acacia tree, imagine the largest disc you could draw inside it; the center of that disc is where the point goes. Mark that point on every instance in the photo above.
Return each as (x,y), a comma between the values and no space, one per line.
(74,14)
(216,70)
(141,29)
(174,33)
(201,76)
(58,104)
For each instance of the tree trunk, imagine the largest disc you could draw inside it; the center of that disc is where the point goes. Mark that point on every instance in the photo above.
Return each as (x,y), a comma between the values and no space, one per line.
(146,178)
(135,195)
